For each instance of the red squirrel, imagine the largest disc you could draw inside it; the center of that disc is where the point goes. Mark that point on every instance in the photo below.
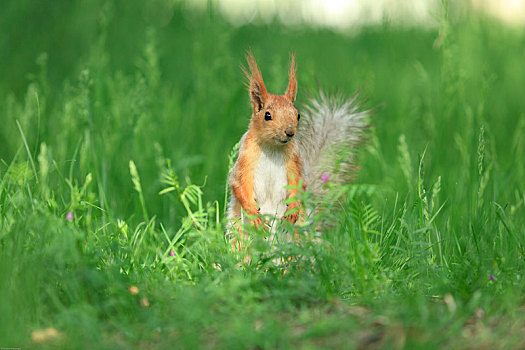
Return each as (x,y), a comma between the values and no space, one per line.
(283,149)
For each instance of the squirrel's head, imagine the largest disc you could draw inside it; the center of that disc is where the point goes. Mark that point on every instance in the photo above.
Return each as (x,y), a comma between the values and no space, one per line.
(274,118)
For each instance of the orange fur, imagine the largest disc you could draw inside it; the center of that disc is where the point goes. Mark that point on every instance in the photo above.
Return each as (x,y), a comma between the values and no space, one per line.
(242,181)
(294,171)
(291,92)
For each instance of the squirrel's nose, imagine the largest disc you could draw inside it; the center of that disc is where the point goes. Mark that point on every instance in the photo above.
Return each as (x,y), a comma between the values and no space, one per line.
(289,132)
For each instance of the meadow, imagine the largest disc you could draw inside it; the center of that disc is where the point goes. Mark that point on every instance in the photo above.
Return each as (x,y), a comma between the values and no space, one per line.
(118,128)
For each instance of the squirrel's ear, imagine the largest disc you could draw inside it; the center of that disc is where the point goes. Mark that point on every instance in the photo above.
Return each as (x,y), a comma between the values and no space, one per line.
(258,93)
(291,92)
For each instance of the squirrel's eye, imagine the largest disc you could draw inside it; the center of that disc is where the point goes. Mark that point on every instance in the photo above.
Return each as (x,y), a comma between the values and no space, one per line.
(267,116)
(298,116)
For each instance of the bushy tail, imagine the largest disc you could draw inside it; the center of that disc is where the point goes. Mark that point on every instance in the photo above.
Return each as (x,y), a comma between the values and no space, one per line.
(328,136)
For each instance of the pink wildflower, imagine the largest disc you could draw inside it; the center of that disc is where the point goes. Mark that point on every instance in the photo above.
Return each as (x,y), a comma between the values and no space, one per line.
(325,178)
(70,216)
(172,253)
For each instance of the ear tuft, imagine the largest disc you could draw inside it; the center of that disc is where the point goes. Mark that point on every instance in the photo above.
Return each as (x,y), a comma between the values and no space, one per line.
(258,93)
(291,92)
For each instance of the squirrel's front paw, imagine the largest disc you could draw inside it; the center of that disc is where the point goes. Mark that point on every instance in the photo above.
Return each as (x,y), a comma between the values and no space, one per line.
(255,219)
(256,222)
(294,216)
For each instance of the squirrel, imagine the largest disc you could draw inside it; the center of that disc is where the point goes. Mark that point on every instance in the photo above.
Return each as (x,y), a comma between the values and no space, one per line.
(285,151)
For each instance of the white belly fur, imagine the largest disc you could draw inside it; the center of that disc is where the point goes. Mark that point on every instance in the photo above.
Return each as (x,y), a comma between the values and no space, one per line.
(270,181)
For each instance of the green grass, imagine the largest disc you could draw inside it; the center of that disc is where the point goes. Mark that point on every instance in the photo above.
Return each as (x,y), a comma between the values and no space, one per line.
(129,125)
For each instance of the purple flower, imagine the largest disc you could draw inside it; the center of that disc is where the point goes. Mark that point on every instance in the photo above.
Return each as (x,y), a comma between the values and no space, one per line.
(70,216)
(172,253)
(492,278)
(325,178)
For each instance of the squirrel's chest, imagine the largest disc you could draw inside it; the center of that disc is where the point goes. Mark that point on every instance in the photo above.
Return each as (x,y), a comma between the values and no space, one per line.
(269,183)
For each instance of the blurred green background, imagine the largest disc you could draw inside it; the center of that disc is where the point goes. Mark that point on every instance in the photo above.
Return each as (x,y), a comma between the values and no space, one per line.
(438,207)
(163,79)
